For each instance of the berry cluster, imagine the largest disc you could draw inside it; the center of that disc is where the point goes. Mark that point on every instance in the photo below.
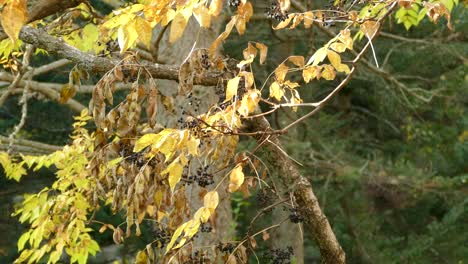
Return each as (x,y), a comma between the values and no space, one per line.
(280,256)
(274,11)
(226,247)
(205,62)
(203,177)
(295,216)
(234,3)
(206,228)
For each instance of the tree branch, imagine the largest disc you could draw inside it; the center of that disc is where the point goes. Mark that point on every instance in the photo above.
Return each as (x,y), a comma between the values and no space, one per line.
(291,178)
(40,39)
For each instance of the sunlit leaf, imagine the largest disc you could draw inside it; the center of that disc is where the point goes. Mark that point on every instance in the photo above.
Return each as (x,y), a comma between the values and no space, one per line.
(276,91)
(14,17)
(232,86)
(236,178)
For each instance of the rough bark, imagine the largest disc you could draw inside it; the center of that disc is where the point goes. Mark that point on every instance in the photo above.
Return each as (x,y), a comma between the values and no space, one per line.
(92,63)
(315,220)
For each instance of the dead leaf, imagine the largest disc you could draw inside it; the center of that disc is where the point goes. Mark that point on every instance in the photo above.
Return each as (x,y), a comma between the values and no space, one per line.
(370,28)
(263,51)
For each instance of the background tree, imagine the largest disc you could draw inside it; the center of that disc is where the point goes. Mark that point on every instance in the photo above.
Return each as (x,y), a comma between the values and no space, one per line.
(151,142)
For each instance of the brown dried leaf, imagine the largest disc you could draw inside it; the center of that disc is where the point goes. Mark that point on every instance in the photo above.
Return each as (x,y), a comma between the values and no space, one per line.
(370,28)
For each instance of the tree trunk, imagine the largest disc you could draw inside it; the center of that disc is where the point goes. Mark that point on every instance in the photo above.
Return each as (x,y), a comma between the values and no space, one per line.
(315,220)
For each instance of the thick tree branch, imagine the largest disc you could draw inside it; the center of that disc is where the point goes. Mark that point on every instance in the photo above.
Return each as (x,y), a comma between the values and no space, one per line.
(45,89)
(40,38)
(27,146)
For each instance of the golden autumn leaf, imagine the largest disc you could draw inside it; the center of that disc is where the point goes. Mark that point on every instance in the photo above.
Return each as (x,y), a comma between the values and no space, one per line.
(144,31)
(236,178)
(202,15)
(211,200)
(175,236)
(296,21)
(318,56)
(14,17)
(127,36)
(145,141)
(338,47)
(285,23)
(310,73)
(281,71)
(328,72)
(263,51)
(297,60)
(276,91)
(178,24)
(249,102)
(174,170)
(334,58)
(345,38)
(215,7)
(203,214)
(308,19)
(231,89)
(219,40)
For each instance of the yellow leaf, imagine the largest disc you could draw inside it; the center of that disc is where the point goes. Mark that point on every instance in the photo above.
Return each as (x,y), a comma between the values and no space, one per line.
(276,91)
(202,214)
(345,38)
(338,47)
(296,21)
(297,60)
(245,11)
(178,25)
(318,56)
(334,58)
(310,73)
(175,236)
(236,178)
(249,102)
(328,73)
(202,15)
(211,200)
(141,257)
(175,173)
(145,141)
(291,85)
(308,19)
(127,36)
(214,46)
(284,23)
(240,25)
(263,51)
(144,31)
(281,71)
(215,7)
(14,17)
(231,89)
